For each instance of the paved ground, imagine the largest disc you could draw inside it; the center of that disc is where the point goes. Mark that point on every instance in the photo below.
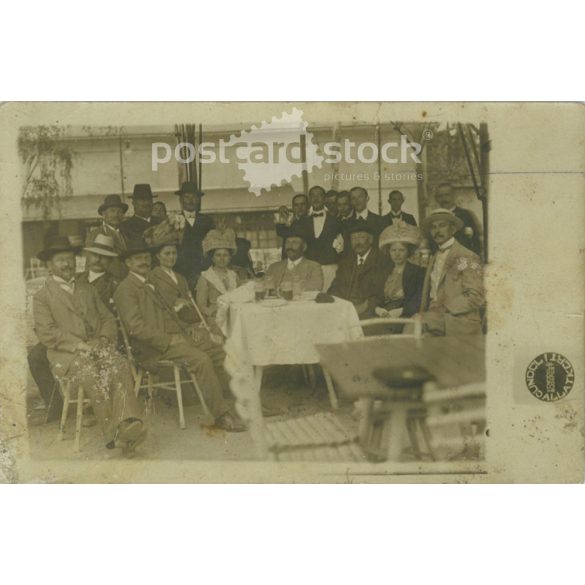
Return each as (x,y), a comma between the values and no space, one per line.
(283,388)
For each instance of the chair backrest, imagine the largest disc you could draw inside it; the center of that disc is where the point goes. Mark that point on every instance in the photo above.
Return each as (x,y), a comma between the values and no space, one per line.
(416,332)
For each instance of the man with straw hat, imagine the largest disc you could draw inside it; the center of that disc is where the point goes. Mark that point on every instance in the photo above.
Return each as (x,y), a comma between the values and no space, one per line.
(100,254)
(80,334)
(453,292)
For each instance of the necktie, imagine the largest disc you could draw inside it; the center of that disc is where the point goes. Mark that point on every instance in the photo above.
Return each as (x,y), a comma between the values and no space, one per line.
(360,218)
(360,260)
(320,214)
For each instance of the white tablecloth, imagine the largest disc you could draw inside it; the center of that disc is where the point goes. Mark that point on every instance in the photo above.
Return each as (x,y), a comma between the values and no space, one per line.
(262,336)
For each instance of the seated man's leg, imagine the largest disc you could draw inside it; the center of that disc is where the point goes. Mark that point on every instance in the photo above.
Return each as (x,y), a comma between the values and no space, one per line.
(41,373)
(125,404)
(203,342)
(200,364)
(434,321)
(84,370)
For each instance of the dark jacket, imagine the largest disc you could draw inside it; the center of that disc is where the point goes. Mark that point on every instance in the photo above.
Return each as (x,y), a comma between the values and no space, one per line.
(134,227)
(190,260)
(413,279)
(388,219)
(105,286)
(319,249)
(365,283)
(374,221)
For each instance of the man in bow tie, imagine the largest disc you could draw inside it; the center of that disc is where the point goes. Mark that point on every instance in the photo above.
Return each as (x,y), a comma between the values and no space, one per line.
(323,233)
(190,261)
(156,333)
(80,334)
(359,198)
(361,273)
(453,294)
(396,200)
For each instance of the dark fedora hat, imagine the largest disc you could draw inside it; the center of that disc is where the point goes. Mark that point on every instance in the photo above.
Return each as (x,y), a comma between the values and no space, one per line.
(141,248)
(142,191)
(297,232)
(189,187)
(361,226)
(112,201)
(55,245)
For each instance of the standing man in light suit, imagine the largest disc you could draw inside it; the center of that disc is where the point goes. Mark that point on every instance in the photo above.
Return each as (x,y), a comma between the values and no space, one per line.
(453,292)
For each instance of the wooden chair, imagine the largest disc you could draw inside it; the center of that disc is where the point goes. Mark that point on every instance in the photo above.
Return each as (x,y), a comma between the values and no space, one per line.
(65,388)
(144,375)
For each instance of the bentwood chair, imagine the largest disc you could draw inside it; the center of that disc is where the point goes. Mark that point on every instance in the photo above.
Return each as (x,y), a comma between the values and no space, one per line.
(66,389)
(145,374)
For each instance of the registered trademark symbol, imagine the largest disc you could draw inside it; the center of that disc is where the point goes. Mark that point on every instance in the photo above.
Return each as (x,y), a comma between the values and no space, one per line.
(428,134)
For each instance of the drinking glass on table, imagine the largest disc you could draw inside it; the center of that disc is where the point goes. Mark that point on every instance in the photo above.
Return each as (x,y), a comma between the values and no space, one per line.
(259,289)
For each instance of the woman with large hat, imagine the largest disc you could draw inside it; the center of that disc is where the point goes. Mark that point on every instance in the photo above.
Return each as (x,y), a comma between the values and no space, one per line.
(219,248)
(404,280)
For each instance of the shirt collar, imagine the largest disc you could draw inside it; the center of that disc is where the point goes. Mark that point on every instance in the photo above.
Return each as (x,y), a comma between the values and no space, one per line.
(294,263)
(63,281)
(190,214)
(313,211)
(364,256)
(363,214)
(107,226)
(144,218)
(399,214)
(92,276)
(446,245)
(139,277)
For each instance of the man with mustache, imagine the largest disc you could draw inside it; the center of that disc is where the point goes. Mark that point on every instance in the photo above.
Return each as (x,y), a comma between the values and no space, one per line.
(361,273)
(156,333)
(453,288)
(134,227)
(296,266)
(80,333)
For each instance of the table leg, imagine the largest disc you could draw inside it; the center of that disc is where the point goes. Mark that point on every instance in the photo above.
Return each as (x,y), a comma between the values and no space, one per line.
(330,389)
(256,419)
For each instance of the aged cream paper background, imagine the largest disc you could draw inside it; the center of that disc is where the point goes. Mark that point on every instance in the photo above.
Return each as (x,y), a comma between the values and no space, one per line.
(535,285)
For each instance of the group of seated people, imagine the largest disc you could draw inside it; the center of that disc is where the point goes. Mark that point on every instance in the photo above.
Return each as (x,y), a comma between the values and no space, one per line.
(159,279)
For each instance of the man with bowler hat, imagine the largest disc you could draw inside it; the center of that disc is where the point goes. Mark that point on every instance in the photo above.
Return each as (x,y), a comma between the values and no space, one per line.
(142,201)
(190,261)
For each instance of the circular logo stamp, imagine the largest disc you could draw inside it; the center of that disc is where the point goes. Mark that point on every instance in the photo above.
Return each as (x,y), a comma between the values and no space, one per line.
(550,377)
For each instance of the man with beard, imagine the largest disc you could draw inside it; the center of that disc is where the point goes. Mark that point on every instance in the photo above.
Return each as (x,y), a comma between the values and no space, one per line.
(296,266)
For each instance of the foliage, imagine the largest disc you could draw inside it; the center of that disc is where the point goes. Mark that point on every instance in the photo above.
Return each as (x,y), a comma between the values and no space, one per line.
(47,161)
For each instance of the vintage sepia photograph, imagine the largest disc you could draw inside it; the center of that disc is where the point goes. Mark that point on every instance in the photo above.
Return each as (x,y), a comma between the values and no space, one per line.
(277,284)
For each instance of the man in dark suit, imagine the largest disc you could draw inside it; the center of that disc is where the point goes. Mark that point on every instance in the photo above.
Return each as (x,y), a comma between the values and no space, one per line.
(361,273)
(469,234)
(361,214)
(396,200)
(190,261)
(323,235)
(300,208)
(156,333)
(134,227)
(112,211)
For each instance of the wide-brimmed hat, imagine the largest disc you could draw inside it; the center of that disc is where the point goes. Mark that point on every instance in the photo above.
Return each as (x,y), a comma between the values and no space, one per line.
(217,239)
(55,245)
(141,248)
(296,232)
(444,215)
(142,191)
(112,201)
(189,187)
(361,226)
(397,232)
(103,246)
